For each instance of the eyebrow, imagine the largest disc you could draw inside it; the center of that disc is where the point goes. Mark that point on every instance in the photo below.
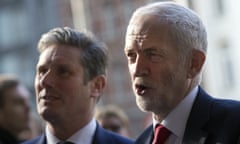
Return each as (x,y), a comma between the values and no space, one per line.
(150,49)
(155,50)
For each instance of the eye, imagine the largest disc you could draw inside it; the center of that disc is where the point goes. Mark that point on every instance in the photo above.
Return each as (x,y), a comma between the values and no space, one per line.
(63,71)
(131,56)
(153,55)
(41,70)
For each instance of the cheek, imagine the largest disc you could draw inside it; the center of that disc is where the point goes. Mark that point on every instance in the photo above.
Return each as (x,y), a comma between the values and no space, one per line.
(172,78)
(14,112)
(164,76)
(72,90)
(131,69)
(69,89)
(36,84)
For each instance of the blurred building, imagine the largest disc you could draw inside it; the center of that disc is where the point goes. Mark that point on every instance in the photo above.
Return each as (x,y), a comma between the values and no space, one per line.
(21,24)
(222,20)
(23,21)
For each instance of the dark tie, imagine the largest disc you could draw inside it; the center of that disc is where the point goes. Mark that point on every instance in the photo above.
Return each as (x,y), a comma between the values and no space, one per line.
(161,134)
(65,142)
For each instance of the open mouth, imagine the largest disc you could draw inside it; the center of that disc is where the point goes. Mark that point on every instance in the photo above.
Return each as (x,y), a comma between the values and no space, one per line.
(141,89)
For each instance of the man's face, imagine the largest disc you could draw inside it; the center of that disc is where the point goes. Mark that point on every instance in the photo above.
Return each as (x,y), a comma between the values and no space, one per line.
(114,123)
(61,93)
(158,74)
(16,109)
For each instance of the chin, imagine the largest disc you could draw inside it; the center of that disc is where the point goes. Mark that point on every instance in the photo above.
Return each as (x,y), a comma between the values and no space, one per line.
(46,114)
(144,106)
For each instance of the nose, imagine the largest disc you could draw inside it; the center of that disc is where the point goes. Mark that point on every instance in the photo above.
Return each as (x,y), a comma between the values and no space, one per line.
(45,80)
(140,67)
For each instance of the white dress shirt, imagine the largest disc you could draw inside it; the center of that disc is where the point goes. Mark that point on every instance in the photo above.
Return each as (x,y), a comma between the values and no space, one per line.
(176,120)
(83,136)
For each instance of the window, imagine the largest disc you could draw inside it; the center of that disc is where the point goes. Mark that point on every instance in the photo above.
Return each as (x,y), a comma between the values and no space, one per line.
(219,7)
(13,25)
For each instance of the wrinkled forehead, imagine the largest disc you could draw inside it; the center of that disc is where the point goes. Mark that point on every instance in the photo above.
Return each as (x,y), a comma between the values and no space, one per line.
(146,24)
(141,24)
(144,27)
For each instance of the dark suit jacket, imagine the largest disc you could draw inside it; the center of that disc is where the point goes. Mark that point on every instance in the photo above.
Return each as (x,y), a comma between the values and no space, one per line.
(211,121)
(101,136)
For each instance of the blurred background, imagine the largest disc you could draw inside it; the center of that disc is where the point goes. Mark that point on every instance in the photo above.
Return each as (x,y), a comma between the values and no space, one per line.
(23,21)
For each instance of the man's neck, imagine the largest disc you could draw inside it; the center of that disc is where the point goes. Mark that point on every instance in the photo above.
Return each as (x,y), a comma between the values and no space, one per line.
(65,130)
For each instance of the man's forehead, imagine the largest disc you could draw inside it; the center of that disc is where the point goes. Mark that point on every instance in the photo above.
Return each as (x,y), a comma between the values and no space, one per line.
(138,30)
(142,24)
(145,31)
(137,33)
(137,37)
(133,38)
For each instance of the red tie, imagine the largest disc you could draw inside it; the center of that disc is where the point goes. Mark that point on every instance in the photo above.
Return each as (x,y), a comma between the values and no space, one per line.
(161,134)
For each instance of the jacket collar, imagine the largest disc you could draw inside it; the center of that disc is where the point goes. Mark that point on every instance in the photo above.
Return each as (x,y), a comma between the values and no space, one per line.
(197,123)
(198,119)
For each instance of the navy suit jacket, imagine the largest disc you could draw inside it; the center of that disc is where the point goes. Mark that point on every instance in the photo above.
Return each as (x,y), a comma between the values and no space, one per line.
(211,121)
(101,136)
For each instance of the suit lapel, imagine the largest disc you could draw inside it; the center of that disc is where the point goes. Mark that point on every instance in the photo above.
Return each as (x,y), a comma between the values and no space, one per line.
(39,140)
(99,136)
(195,131)
(42,139)
(146,137)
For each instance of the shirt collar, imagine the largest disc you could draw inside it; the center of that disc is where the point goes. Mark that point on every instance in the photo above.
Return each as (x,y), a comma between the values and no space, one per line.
(176,120)
(82,136)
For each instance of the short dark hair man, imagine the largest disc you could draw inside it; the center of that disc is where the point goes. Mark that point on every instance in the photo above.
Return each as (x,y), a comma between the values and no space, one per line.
(70,79)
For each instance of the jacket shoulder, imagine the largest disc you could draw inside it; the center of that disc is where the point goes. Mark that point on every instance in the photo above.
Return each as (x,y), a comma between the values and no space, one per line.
(146,136)
(38,140)
(103,136)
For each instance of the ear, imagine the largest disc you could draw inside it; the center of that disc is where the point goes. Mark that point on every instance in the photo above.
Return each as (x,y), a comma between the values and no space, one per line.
(196,63)
(97,86)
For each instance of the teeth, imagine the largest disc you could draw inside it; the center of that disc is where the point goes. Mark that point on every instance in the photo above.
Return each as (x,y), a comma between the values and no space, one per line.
(141,89)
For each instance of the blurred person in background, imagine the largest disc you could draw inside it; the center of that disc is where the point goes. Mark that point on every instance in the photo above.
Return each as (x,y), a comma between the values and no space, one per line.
(35,129)
(166,47)
(14,109)
(70,79)
(113,118)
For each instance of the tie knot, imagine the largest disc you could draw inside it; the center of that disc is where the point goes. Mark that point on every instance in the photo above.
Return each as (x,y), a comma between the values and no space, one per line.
(161,134)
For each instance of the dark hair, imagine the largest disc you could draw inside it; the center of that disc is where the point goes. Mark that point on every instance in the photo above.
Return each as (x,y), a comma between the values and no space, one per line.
(6,83)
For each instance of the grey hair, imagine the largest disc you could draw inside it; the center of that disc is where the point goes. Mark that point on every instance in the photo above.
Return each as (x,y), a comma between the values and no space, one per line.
(186,28)
(94,54)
